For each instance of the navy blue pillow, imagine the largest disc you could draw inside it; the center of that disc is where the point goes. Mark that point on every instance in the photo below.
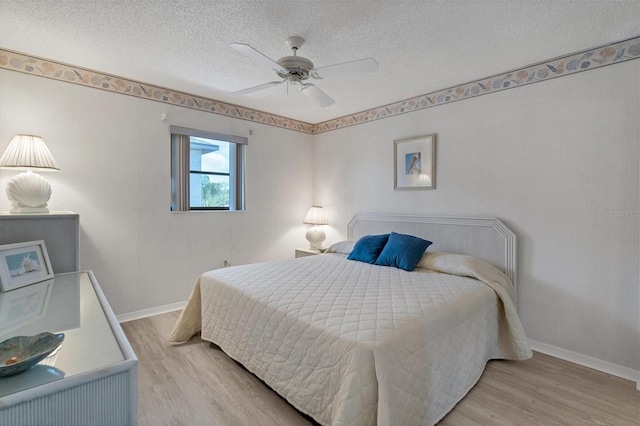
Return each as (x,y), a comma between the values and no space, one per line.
(368,248)
(402,251)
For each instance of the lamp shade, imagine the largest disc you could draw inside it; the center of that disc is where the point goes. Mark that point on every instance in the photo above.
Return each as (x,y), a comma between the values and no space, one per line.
(315,216)
(28,152)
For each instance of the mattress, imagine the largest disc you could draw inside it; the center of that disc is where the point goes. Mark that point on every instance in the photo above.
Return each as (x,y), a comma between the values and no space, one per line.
(350,343)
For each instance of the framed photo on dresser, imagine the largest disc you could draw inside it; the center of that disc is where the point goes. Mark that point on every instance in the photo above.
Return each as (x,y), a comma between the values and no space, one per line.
(22,264)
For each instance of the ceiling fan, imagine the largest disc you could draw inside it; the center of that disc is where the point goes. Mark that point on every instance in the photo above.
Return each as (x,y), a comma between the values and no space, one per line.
(295,69)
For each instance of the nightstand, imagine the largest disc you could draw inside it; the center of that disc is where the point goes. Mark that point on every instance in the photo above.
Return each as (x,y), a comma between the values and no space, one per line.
(300,252)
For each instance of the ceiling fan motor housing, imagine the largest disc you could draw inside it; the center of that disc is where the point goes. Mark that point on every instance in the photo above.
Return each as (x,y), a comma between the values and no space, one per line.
(296,66)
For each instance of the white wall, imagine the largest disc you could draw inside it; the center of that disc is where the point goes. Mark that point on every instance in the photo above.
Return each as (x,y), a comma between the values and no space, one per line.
(551,159)
(114,155)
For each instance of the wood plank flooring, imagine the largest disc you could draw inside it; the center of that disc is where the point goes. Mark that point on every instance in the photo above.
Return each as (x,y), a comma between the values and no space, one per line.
(198,384)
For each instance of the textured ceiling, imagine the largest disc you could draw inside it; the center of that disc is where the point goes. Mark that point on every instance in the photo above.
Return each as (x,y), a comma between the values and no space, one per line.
(421,46)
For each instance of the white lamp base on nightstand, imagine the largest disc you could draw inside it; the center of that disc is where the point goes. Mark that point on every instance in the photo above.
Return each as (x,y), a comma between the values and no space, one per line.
(316,237)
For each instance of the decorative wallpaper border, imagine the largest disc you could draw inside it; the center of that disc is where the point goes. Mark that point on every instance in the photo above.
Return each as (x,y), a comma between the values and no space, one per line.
(565,65)
(40,67)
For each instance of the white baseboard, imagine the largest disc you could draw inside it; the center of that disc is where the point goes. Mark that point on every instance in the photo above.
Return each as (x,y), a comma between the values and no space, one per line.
(587,361)
(144,313)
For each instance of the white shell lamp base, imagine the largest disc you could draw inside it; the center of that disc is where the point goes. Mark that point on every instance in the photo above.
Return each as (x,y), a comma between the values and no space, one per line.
(28,193)
(316,237)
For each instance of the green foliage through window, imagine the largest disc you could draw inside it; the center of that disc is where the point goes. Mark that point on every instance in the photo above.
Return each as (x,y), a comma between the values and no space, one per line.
(214,194)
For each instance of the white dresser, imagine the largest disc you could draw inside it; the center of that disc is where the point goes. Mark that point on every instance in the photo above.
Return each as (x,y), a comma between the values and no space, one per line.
(92,379)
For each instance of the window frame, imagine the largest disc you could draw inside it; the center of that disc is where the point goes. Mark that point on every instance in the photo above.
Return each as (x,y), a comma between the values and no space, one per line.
(181,169)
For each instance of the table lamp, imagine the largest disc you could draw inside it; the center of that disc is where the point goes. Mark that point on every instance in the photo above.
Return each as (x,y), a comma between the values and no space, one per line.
(28,192)
(315,235)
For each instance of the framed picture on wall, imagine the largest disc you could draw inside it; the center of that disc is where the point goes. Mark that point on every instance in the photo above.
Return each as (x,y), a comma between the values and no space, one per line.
(22,264)
(415,163)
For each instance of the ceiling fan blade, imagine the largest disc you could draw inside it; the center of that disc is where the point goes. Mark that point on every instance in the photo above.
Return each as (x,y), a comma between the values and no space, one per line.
(317,95)
(257,88)
(249,51)
(360,66)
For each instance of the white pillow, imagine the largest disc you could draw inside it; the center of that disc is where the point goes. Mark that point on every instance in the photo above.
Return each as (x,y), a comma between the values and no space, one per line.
(428,258)
(342,247)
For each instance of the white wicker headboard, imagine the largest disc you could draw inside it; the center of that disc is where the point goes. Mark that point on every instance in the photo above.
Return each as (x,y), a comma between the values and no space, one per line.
(486,238)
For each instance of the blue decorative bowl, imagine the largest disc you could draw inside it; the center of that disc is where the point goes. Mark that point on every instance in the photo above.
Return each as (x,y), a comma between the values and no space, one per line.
(20,353)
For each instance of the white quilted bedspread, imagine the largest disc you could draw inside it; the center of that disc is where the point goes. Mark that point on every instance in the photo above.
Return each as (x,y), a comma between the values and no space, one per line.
(356,344)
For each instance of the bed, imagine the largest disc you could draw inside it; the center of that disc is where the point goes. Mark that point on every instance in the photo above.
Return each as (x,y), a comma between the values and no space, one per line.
(350,343)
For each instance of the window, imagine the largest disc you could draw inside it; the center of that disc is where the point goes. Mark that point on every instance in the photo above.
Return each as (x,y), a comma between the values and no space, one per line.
(207,170)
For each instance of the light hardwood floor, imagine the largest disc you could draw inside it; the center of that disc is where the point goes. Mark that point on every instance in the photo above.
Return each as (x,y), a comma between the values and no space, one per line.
(198,384)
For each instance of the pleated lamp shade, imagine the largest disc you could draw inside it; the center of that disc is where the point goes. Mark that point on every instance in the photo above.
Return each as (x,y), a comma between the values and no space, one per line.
(28,152)
(315,216)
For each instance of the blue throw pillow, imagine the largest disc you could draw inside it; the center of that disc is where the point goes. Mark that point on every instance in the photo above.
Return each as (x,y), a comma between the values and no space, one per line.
(368,248)
(402,251)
